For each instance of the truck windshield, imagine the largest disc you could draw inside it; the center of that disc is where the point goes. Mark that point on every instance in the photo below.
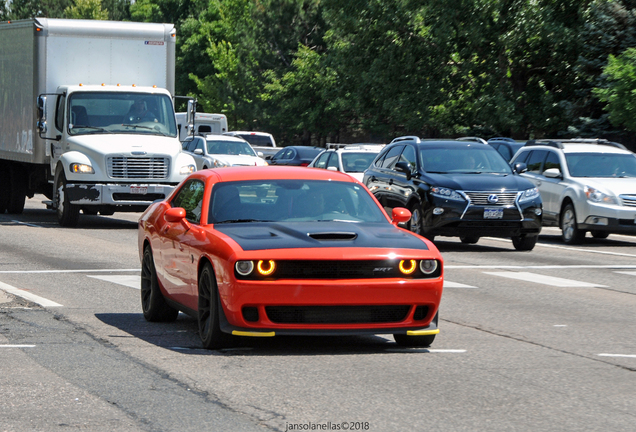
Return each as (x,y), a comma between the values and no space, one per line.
(120,112)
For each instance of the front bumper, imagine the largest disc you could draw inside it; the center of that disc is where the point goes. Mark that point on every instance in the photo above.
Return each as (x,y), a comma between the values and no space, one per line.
(459,220)
(611,219)
(141,194)
(315,307)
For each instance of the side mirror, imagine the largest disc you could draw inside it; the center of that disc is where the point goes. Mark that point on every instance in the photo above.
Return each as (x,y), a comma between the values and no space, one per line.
(405,168)
(260,154)
(332,168)
(191,111)
(400,215)
(41,101)
(198,151)
(175,214)
(520,167)
(553,173)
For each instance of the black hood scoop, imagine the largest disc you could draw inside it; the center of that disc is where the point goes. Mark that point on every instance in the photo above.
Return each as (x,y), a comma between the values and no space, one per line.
(333,236)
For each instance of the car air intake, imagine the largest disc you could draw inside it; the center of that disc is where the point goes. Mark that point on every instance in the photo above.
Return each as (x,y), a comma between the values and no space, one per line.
(337,314)
(331,236)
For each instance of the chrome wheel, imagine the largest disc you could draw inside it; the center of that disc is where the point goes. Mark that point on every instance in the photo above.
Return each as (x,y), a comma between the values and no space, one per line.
(569,230)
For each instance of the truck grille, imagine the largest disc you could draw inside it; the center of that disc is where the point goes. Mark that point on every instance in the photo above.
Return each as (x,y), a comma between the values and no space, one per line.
(503,198)
(122,167)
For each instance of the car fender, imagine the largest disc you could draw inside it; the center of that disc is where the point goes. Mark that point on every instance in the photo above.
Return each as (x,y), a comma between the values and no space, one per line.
(575,194)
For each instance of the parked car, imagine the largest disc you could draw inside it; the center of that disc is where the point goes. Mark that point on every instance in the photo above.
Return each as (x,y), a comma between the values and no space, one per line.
(295,155)
(506,146)
(261,142)
(286,251)
(218,151)
(586,185)
(350,159)
(457,188)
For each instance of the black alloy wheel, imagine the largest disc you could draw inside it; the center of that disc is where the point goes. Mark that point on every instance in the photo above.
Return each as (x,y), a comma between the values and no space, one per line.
(208,317)
(153,304)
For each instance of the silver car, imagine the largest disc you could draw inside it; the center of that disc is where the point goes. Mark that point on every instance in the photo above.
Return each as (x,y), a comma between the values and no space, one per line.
(585,184)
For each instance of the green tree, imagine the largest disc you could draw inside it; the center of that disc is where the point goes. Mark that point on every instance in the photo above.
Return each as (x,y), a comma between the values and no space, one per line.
(620,92)
(23,9)
(86,9)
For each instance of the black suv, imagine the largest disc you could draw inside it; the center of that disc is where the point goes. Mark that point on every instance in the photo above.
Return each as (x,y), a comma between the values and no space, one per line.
(457,188)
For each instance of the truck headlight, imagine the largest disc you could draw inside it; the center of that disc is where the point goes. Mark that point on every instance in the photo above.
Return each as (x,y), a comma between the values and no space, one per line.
(187,169)
(598,196)
(79,168)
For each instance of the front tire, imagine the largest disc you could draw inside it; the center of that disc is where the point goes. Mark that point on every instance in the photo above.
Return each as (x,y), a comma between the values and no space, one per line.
(416,341)
(208,317)
(17,195)
(570,233)
(416,223)
(600,234)
(469,239)
(153,304)
(67,213)
(524,243)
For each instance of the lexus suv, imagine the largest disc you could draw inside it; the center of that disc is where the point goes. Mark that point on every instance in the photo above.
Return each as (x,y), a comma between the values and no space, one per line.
(457,188)
(586,185)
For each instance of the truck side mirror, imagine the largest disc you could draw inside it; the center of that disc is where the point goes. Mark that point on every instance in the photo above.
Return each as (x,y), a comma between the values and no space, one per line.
(42,115)
(191,111)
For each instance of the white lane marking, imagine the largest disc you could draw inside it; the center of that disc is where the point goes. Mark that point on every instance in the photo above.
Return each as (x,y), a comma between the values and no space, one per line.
(28,296)
(612,266)
(618,355)
(449,284)
(27,224)
(132,281)
(569,248)
(17,346)
(427,350)
(560,325)
(73,271)
(545,280)
(630,273)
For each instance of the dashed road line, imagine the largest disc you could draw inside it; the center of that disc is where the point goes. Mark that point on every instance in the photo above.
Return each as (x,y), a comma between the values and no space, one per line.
(132,281)
(570,248)
(630,273)
(28,296)
(17,346)
(70,271)
(545,280)
(618,355)
(449,284)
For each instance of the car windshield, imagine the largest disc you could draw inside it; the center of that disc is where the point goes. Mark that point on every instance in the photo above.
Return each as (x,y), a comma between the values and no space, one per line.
(230,148)
(121,112)
(601,164)
(292,201)
(258,140)
(357,162)
(463,160)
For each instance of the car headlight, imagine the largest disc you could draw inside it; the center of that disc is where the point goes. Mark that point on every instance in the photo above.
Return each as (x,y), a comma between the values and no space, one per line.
(216,163)
(529,194)
(79,168)
(446,193)
(187,169)
(598,196)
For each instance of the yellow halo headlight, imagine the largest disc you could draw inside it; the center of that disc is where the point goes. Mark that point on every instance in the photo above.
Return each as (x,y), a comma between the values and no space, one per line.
(267,269)
(408,266)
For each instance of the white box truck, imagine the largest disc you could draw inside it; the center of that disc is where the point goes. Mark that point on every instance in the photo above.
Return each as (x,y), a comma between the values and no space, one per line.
(87,116)
(203,124)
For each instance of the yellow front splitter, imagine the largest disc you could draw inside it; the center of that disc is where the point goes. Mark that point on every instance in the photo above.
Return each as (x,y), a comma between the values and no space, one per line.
(253,334)
(421,332)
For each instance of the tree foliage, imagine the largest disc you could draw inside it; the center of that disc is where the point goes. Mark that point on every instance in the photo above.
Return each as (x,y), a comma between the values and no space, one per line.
(620,92)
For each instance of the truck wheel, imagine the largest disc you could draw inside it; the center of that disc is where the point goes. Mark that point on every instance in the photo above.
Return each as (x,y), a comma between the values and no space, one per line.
(67,213)
(17,194)
(5,187)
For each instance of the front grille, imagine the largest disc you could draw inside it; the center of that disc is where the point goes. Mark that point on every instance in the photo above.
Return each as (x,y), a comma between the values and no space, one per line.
(337,314)
(341,269)
(122,167)
(628,200)
(503,198)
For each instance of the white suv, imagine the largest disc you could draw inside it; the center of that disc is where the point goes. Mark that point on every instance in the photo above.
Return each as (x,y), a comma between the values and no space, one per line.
(352,159)
(585,185)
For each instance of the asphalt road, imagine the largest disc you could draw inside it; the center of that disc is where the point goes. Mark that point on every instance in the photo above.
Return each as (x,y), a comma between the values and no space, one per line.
(541,340)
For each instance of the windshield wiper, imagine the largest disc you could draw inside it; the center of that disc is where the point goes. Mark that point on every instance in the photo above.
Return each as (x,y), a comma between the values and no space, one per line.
(90,127)
(138,126)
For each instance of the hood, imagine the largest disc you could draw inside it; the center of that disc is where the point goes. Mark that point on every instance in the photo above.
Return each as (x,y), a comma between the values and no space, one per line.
(618,186)
(125,145)
(479,182)
(239,160)
(292,235)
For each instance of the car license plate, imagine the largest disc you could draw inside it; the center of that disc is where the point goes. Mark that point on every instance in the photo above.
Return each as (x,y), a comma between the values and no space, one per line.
(493,213)
(139,190)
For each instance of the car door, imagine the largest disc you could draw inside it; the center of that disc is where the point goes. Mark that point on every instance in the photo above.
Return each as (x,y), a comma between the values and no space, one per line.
(551,188)
(380,180)
(402,187)
(179,271)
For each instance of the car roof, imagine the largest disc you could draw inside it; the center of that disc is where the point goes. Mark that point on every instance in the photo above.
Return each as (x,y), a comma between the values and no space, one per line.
(580,145)
(272,172)
(228,138)
(247,133)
